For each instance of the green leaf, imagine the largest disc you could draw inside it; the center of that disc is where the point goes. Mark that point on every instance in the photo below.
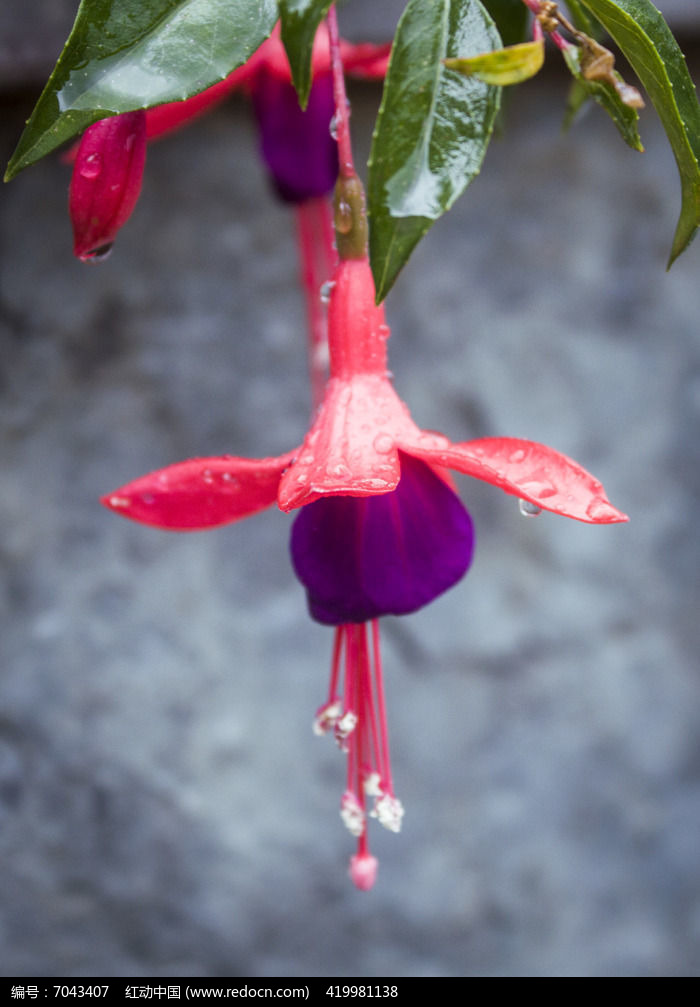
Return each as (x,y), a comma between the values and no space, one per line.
(511,65)
(300,19)
(432,130)
(624,116)
(127,54)
(582,19)
(576,99)
(511,19)
(646,40)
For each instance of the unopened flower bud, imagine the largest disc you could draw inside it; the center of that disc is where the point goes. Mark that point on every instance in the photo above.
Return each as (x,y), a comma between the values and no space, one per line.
(106,182)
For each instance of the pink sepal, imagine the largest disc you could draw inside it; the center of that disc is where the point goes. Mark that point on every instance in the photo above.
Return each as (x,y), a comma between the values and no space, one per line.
(201,493)
(528,470)
(351,448)
(106,181)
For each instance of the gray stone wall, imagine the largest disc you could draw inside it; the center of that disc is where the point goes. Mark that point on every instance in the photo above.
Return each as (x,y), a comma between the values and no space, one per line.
(164,807)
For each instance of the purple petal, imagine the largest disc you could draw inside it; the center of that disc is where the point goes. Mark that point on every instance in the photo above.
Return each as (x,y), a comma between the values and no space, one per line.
(363,557)
(297,146)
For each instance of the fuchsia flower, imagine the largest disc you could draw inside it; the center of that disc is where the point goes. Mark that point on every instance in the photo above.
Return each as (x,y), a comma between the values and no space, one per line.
(380,530)
(296,145)
(106,182)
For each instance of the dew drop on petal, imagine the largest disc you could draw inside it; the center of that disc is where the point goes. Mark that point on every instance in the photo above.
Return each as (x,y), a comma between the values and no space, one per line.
(383,443)
(208,476)
(333,128)
(528,509)
(517,456)
(92,165)
(97,255)
(599,510)
(339,471)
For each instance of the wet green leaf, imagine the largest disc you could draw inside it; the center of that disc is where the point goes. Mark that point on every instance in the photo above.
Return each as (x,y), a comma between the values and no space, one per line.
(624,116)
(511,19)
(128,54)
(646,40)
(511,65)
(582,19)
(432,130)
(300,19)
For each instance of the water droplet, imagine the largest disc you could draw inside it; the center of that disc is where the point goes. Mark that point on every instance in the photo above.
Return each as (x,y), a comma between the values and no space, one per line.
(517,456)
(97,255)
(436,441)
(528,509)
(383,443)
(542,490)
(306,459)
(343,217)
(230,479)
(326,289)
(92,165)
(117,501)
(208,476)
(598,510)
(339,471)
(148,499)
(383,331)
(333,128)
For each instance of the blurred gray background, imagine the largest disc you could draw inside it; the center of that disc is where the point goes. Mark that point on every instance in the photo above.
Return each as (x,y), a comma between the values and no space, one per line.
(164,807)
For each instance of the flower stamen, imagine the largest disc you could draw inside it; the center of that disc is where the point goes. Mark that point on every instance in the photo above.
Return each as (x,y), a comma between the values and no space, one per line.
(360,726)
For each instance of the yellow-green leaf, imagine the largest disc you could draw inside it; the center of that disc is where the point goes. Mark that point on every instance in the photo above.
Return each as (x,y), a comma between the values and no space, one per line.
(511,65)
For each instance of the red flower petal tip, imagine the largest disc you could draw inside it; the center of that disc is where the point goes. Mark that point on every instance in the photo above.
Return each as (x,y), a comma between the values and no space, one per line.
(202,493)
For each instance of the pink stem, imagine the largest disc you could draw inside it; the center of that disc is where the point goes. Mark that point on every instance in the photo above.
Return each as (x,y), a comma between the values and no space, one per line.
(381,708)
(335,666)
(342,116)
(318,259)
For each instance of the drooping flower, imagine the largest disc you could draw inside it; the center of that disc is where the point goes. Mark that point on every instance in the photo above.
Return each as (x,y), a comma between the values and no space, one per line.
(106,182)
(355,445)
(380,531)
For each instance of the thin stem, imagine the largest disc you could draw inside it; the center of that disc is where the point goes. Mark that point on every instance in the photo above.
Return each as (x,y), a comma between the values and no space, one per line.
(381,707)
(318,258)
(335,665)
(342,115)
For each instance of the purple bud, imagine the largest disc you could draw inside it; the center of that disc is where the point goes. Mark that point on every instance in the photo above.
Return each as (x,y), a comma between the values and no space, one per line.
(300,153)
(363,557)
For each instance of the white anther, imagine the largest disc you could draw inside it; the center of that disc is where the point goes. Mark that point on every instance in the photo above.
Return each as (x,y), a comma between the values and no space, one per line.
(389,811)
(326,718)
(346,725)
(352,814)
(372,785)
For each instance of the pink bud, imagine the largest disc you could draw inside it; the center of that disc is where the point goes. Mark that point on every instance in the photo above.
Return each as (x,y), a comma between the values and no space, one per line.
(106,182)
